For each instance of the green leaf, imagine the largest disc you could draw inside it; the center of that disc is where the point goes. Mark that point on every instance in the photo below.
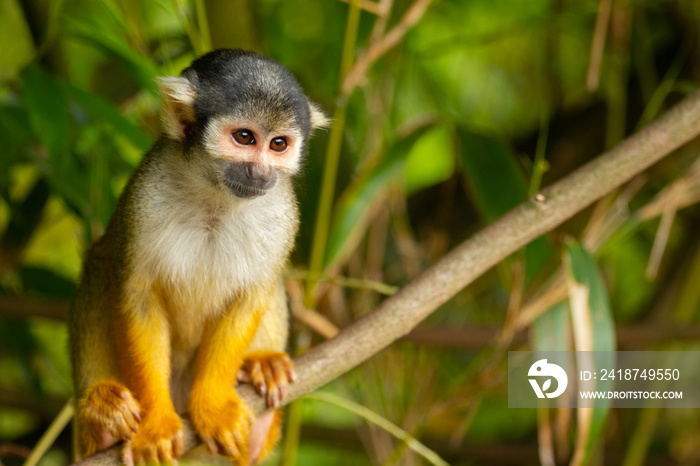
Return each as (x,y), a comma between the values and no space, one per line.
(363,194)
(104,111)
(551,329)
(47,107)
(430,161)
(583,273)
(594,330)
(15,134)
(14,33)
(492,174)
(139,67)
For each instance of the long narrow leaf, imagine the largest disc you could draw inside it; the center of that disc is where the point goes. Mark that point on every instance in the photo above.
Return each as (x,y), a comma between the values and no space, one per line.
(594,330)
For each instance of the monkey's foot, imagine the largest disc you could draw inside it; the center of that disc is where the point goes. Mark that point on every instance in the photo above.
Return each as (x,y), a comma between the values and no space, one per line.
(270,373)
(107,414)
(159,440)
(223,426)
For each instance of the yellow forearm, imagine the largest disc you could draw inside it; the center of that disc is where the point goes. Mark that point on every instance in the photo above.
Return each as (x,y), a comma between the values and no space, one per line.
(222,349)
(145,359)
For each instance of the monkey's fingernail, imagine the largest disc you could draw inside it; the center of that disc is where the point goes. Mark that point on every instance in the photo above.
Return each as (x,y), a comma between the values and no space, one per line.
(137,417)
(128,436)
(283,392)
(260,388)
(272,401)
(291,375)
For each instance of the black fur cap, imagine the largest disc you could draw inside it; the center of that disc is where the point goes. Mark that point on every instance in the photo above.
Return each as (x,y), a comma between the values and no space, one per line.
(246,84)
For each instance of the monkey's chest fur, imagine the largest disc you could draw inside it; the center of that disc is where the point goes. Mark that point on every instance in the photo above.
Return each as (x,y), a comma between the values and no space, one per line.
(208,248)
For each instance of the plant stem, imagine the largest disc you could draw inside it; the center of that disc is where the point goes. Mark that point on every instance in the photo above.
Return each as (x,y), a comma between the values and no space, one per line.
(330,170)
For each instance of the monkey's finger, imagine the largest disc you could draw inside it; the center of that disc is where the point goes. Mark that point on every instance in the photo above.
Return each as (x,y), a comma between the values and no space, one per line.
(289,369)
(123,401)
(178,444)
(272,388)
(138,456)
(149,455)
(127,455)
(130,418)
(164,451)
(228,445)
(210,443)
(242,447)
(118,428)
(280,378)
(131,402)
(258,379)
(131,410)
(243,376)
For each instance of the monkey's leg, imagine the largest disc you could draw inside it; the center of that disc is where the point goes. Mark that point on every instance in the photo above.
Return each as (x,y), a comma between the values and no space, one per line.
(106,411)
(221,418)
(270,370)
(144,335)
(266,364)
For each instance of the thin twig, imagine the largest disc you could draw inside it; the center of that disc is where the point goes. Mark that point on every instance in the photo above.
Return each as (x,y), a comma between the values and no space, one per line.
(346,282)
(662,234)
(382,19)
(369,6)
(315,321)
(598,44)
(9,449)
(389,41)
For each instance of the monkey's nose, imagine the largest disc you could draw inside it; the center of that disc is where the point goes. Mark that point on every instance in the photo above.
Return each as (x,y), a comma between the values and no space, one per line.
(261,172)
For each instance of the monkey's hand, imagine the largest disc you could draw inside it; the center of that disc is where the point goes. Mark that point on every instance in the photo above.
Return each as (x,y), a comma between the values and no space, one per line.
(224,425)
(270,373)
(108,413)
(160,439)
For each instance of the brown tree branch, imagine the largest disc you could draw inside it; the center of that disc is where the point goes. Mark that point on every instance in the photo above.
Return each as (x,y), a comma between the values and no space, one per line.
(21,307)
(400,313)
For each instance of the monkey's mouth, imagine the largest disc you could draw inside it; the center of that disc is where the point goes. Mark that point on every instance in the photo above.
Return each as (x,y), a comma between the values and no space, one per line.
(243,191)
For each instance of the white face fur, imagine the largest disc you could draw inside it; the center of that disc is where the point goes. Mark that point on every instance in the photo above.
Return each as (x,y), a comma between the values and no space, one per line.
(241,140)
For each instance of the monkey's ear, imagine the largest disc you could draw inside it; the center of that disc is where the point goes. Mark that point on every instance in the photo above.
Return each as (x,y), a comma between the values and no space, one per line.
(318,118)
(178,105)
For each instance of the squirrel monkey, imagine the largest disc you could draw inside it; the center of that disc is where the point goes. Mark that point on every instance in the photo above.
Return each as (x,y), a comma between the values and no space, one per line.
(185,289)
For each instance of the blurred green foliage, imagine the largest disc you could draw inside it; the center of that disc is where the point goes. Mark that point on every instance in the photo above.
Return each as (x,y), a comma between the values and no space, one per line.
(478,104)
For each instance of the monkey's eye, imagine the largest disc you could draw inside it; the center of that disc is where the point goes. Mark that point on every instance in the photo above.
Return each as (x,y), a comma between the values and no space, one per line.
(278,144)
(244,137)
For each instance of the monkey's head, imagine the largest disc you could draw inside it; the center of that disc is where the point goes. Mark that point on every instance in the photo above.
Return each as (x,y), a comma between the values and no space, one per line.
(241,117)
